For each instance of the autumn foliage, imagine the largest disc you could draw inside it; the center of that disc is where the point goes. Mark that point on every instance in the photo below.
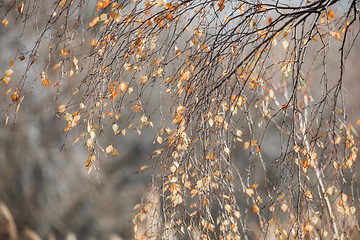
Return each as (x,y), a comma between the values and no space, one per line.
(253,142)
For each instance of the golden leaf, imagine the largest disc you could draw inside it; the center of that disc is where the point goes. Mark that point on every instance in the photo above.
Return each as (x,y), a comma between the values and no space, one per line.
(252,23)
(5,22)
(309,227)
(6,80)
(269,21)
(210,156)
(56,66)
(296,148)
(122,87)
(180,110)
(64,52)
(255,209)
(285,44)
(114,152)
(9,72)
(136,108)
(61,108)
(109,149)
(237,214)
(193,192)
(338,36)
(331,15)
(46,82)
(308,195)
(249,191)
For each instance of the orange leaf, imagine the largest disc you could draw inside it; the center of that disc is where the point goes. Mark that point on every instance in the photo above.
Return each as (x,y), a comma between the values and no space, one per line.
(20,8)
(338,36)
(255,209)
(56,65)
(122,87)
(46,82)
(15,97)
(6,80)
(9,72)
(105,3)
(99,5)
(113,93)
(358,122)
(64,52)
(169,16)
(331,15)
(269,20)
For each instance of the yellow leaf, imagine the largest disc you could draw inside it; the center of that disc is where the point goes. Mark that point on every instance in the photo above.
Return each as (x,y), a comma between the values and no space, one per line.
(252,23)
(62,3)
(210,156)
(241,101)
(6,80)
(271,93)
(246,145)
(308,195)
(46,82)
(114,152)
(56,66)
(309,227)
(144,79)
(71,72)
(61,108)
(5,22)
(115,127)
(64,52)
(338,36)
(269,21)
(180,110)
(284,207)
(228,208)
(136,108)
(285,44)
(109,149)
(9,72)
(122,87)
(296,148)
(160,3)
(159,139)
(88,162)
(249,191)
(193,192)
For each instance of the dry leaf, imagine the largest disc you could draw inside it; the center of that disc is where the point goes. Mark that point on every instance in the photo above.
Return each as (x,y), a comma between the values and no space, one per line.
(61,108)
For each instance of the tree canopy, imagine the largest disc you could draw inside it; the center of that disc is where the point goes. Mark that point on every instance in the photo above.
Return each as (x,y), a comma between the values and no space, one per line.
(246,99)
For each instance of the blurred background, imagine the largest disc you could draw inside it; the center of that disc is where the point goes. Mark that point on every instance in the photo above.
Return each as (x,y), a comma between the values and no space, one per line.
(43,181)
